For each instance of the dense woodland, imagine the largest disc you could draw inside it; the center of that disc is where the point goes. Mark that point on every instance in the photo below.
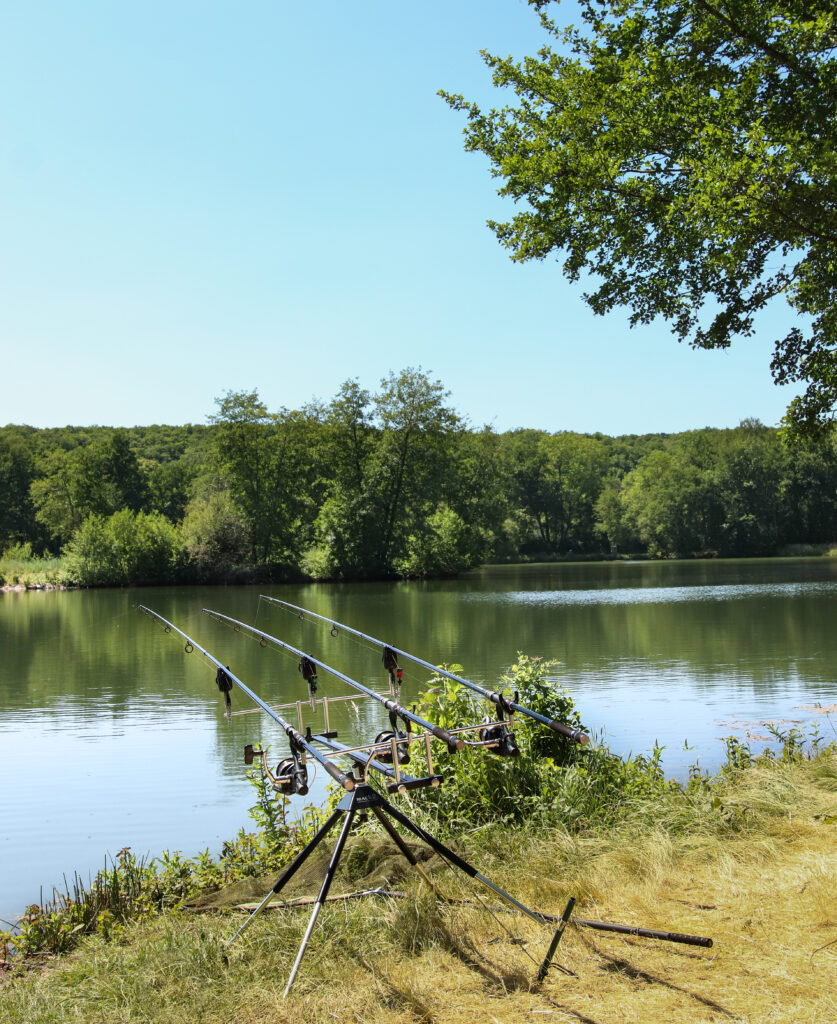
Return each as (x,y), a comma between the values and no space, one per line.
(392,483)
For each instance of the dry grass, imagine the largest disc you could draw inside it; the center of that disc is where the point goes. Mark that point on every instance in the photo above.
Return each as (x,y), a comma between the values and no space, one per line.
(767,897)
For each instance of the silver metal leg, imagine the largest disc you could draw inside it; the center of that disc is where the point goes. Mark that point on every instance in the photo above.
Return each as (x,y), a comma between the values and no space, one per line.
(288,873)
(318,906)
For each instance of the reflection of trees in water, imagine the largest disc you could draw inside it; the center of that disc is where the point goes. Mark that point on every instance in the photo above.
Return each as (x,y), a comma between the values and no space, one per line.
(95,645)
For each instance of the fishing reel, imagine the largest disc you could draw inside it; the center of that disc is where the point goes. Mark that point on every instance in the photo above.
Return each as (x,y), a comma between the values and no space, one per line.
(385,756)
(499,740)
(290,778)
(291,775)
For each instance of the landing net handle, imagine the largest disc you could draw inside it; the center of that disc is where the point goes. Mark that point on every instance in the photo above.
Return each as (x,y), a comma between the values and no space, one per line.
(294,735)
(499,699)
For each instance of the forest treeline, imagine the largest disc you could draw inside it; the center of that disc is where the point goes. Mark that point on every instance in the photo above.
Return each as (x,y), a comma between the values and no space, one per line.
(394,482)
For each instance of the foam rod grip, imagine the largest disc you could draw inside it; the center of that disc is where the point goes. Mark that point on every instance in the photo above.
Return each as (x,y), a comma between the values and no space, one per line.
(345,781)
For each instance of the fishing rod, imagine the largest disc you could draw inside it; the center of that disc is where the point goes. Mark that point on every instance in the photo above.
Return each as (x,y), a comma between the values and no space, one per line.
(225,678)
(453,742)
(389,653)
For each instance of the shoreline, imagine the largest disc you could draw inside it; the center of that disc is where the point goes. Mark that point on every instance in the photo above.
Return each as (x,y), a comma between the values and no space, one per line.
(257,577)
(417,958)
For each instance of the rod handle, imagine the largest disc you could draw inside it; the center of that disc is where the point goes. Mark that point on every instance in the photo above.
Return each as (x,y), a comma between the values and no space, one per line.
(454,743)
(345,781)
(573,734)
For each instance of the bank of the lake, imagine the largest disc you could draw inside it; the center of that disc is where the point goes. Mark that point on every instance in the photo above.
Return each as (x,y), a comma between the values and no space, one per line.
(124,742)
(749,861)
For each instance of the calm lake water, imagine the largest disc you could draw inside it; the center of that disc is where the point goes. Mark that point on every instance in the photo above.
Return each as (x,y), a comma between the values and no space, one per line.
(111,736)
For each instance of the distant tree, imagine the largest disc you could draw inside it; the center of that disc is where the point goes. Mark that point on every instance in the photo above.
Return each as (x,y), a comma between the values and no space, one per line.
(169,487)
(396,448)
(663,501)
(99,478)
(443,545)
(747,483)
(126,548)
(214,533)
(681,152)
(17,513)
(558,479)
(270,462)
(413,451)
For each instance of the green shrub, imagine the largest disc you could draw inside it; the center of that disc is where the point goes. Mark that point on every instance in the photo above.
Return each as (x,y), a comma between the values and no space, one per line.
(445,546)
(479,787)
(125,548)
(214,533)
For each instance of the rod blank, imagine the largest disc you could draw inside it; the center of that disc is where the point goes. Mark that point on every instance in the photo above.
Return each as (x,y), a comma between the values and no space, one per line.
(454,743)
(346,781)
(496,698)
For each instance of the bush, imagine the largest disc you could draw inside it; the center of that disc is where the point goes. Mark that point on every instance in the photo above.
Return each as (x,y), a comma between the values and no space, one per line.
(445,546)
(125,548)
(479,787)
(214,533)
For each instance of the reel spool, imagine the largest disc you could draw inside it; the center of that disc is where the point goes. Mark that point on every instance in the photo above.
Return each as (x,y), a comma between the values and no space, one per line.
(290,777)
(502,740)
(385,756)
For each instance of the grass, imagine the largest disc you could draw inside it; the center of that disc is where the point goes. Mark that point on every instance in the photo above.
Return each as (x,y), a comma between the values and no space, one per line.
(19,567)
(754,869)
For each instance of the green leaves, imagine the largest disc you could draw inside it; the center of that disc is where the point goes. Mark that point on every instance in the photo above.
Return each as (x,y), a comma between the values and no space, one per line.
(682,153)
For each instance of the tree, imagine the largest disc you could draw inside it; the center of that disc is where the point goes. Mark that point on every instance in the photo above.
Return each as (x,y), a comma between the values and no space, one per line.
(390,456)
(557,479)
(682,153)
(17,514)
(98,478)
(270,462)
(214,534)
(124,549)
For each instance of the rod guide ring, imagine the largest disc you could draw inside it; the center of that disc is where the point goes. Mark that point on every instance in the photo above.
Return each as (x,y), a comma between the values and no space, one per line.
(189,647)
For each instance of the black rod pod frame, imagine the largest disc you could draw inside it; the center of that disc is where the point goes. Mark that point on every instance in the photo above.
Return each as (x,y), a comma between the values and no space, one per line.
(363,798)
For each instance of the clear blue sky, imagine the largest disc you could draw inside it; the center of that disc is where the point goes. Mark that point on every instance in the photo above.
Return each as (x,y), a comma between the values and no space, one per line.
(201,196)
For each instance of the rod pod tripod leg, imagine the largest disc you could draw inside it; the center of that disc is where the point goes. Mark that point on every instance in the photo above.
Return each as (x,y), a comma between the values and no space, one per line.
(366,797)
(289,872)
(329,877)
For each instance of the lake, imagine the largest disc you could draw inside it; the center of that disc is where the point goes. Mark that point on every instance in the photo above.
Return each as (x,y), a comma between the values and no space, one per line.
(112,736)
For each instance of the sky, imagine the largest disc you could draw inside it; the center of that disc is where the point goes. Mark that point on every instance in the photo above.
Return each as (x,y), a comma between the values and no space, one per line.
(198,197)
